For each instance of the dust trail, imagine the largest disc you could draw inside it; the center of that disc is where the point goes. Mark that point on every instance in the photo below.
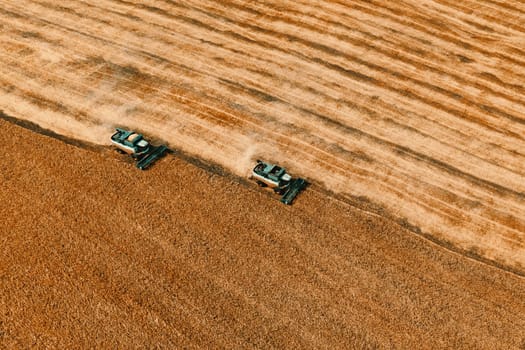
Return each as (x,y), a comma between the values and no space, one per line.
(244,162)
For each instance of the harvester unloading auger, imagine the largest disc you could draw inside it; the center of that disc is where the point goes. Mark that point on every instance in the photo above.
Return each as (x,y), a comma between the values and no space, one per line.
(276,178)
(141,150)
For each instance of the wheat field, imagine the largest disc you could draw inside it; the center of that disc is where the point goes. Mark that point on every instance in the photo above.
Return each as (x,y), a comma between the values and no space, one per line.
(414,106)
(106,256)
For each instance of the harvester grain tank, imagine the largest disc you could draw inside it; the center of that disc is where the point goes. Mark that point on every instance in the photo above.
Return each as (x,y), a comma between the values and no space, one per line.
(135,145)
(276,178)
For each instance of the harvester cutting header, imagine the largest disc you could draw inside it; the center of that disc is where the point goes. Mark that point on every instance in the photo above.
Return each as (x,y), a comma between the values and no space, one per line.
(276,178)
(135,145)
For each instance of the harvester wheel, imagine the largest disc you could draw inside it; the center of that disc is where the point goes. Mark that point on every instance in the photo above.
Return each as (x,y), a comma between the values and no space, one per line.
(261,184)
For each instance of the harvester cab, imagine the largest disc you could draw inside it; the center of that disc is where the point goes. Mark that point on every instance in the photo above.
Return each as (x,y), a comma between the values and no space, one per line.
(135,145)
(276,178)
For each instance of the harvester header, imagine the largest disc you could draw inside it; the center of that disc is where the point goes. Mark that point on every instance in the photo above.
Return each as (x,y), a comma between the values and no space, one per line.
(135,145)
(276,178)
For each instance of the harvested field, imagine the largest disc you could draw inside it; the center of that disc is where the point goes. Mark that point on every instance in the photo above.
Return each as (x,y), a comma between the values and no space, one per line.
(413,106)
(97,253)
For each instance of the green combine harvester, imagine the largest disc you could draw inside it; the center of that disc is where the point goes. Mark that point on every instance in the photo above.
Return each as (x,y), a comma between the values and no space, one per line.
(141,150)
(276,178)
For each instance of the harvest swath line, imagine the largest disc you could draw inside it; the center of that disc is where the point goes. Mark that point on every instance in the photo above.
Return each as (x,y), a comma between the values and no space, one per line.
(368,45)
(416,107)
(230,83)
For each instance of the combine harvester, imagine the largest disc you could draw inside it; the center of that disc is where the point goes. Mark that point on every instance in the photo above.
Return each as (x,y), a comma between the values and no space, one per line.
(276,178)
(141,150)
